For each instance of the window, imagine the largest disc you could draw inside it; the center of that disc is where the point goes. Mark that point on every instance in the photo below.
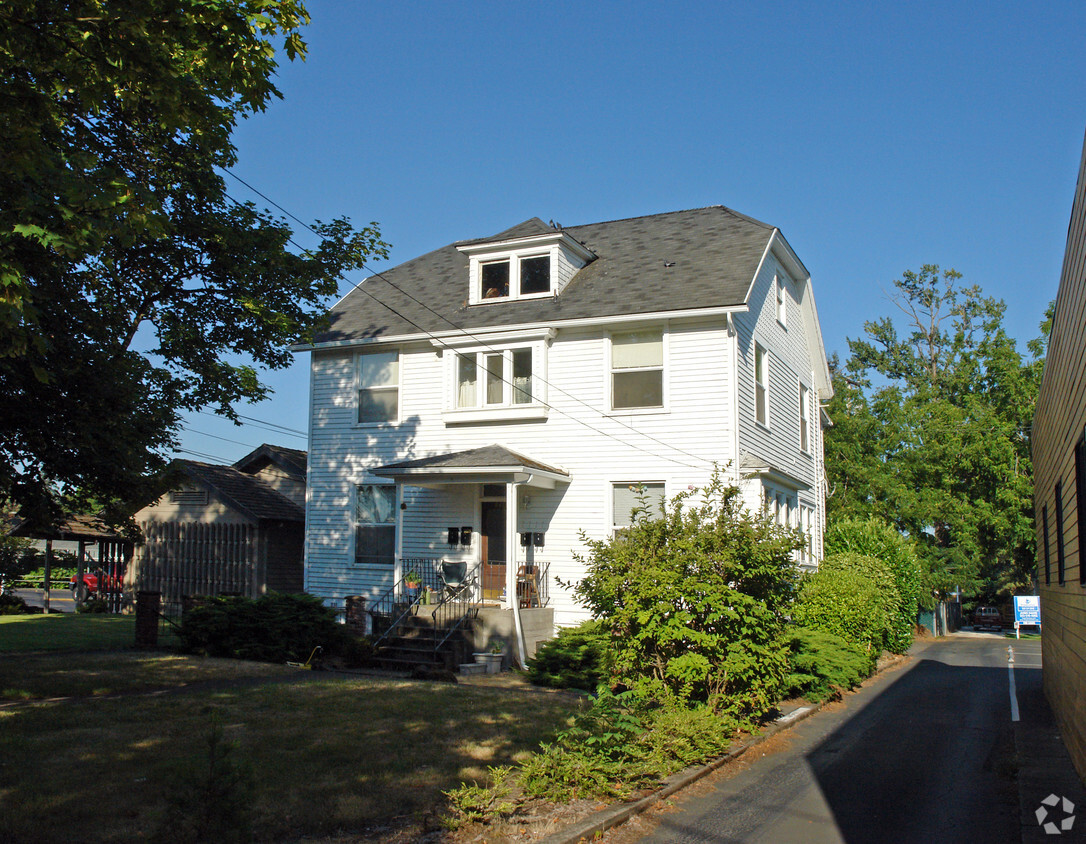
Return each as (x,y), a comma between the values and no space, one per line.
(804,419)
(375,525)
(507,378)
(1059,533)
(646,498)
(782,301)
(761,385)
(1044,527)
(1080,503)
(637,370)
(515,277)
(378,387)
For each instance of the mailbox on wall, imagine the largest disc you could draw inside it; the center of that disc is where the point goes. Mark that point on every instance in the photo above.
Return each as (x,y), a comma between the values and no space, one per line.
(454,536)
(537,540)
(465,535)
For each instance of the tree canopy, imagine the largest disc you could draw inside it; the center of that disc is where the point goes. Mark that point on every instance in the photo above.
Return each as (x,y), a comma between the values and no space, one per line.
(132,286)
(931,432)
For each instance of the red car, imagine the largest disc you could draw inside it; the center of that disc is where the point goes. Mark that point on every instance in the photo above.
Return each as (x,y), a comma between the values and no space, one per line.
(987,617)
(111,583)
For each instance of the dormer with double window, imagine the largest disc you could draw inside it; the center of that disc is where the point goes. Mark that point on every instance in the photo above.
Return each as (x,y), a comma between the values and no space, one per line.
(532,267)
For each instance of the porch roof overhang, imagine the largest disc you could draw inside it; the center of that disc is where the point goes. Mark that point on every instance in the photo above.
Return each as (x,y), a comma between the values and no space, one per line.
(492,464)
(754,467)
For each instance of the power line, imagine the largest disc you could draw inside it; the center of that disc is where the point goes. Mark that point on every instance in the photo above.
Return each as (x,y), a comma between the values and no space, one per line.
(262,423)
(483,344)
(202,455)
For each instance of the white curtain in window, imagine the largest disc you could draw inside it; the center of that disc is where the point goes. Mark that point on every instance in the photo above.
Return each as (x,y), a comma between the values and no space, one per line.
(376,505)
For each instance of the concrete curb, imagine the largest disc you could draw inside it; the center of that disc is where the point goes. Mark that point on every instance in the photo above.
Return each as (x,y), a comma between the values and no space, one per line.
(613,816)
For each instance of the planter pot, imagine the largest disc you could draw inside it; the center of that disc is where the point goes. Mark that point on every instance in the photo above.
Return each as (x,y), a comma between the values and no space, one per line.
(493,662)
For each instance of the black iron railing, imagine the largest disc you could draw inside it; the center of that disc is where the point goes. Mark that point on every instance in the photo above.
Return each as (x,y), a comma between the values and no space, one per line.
(449,595)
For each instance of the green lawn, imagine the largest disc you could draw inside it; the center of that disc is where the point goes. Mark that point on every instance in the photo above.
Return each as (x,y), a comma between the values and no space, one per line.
(329,754)
(66,632)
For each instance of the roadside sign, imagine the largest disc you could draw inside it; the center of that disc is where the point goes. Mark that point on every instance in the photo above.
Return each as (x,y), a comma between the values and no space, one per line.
(1027,610)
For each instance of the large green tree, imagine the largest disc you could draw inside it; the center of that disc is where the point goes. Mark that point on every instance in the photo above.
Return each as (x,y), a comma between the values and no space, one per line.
(132,287)
(931,432)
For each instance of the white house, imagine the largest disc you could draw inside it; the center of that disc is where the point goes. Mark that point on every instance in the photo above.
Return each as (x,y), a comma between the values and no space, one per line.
(490,401)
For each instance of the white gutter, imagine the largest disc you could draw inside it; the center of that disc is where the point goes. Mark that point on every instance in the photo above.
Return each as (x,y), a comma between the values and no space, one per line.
(483,331)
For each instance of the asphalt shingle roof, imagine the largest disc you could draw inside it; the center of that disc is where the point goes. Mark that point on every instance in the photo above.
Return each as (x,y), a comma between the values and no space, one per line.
(714,253)
(487,456)
(247,494)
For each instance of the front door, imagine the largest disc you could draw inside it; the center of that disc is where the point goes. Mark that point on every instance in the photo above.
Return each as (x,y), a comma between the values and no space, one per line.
(494,551)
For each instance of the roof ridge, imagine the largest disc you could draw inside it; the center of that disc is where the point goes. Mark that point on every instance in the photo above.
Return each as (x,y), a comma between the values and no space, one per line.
(723,208)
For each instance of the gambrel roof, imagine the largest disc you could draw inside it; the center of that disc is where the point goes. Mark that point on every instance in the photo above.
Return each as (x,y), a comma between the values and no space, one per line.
(702,258)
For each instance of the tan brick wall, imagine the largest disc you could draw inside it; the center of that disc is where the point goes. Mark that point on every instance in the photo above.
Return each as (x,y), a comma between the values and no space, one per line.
(1058,425)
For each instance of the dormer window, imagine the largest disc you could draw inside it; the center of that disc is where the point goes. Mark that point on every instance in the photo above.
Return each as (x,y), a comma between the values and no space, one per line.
(515,277)
(532,267)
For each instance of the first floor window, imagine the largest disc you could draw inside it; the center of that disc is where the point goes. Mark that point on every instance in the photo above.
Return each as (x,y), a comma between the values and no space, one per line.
(375,524)
(635,500)
(637,370)
(1059,533)
(378,386)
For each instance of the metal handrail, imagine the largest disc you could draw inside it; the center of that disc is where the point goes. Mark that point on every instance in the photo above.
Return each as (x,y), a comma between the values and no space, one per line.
(399,601)
(464,602)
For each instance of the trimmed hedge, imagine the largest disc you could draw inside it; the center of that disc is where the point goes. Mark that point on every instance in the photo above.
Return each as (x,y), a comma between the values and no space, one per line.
(875,538)
(845,603)
(274,628)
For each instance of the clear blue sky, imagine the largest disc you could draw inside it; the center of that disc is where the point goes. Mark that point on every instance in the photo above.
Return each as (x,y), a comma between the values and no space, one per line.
(876,136)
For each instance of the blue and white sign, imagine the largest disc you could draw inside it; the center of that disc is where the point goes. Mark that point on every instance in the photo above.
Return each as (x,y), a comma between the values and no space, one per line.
(1027,609)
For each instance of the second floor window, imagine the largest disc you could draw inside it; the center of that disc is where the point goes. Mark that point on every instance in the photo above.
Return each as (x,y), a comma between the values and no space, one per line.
(378,386)
(761,385)
(637,370)
(494,379)
(804,418)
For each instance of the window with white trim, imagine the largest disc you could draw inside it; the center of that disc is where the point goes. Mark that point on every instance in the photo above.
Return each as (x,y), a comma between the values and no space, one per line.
(487,379)
(378,386)
(782,299)
(515,277)
(637,369)
(635,499)
(761,384)
(804,419)
(375,524)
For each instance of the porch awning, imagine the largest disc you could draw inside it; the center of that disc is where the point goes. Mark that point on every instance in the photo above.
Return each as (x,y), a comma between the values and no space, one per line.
(755,467)
(492,464)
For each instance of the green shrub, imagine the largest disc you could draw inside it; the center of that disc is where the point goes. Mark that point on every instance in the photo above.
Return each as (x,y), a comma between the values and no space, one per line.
(94,605)
(822,664)
(573,659)
(880,575)
(273,628)
(694,601)
(843,602)
(878,539)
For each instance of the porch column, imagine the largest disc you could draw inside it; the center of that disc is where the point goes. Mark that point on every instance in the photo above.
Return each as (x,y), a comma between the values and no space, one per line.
(397,571)
(512,543)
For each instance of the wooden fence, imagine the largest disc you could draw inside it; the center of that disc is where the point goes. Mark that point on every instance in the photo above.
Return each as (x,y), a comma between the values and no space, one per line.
(189,558)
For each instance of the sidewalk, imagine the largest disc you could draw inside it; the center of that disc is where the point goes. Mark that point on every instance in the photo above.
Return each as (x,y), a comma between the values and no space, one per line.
(1045,769)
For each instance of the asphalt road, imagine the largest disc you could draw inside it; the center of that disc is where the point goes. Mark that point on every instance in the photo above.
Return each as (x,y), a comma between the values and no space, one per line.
(925,753)
(60,600)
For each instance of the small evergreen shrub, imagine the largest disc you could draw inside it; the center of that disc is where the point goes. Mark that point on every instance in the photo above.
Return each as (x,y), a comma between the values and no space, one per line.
(823,665)
(276,627)
(843,602)
(573,659)
(94,605)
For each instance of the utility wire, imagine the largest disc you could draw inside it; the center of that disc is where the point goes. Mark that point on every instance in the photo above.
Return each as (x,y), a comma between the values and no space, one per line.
(376,274)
